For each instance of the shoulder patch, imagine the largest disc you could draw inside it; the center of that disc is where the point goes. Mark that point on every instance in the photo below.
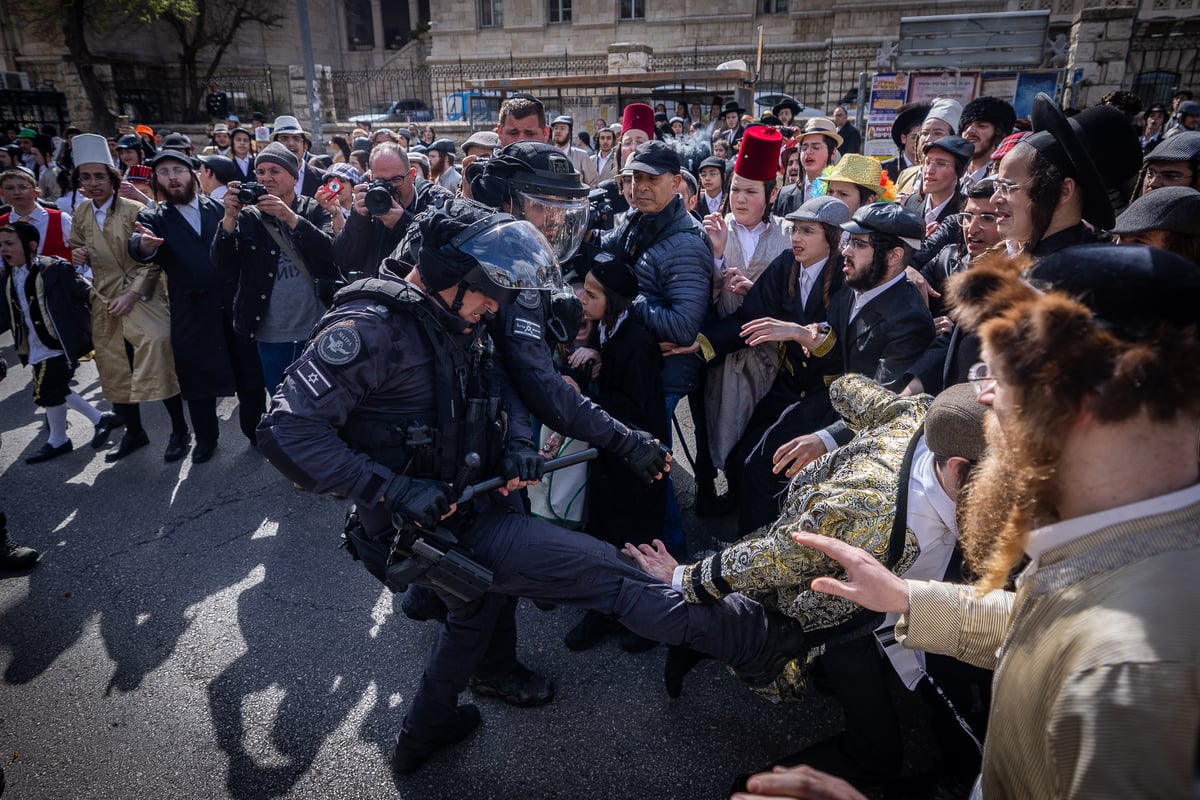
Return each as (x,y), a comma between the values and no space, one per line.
(530,298)
(339,344)
(526,329)
(308,373)
(379,310)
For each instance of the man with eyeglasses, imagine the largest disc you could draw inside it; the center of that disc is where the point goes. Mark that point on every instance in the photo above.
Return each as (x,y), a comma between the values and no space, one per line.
(878,323)
(1175,162)
(366,240)
(211,359)
(942,120)
(945,163)
(934,370)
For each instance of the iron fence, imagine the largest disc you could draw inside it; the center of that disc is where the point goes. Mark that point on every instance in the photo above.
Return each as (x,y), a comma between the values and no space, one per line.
(26,108)
(1162,59)
(156,98)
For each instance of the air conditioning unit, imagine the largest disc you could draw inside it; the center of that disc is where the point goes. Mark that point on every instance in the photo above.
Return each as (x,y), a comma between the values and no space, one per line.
(14,80)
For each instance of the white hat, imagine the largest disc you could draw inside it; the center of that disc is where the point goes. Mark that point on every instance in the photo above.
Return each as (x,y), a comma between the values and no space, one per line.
(289,124)
(90,148)
(947,110)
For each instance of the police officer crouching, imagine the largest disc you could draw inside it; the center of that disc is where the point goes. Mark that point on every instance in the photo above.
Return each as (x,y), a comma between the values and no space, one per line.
(393,401)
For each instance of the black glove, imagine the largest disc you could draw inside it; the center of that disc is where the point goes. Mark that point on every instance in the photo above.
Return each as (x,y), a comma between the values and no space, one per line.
(424,502)
(644,454)
(522,460)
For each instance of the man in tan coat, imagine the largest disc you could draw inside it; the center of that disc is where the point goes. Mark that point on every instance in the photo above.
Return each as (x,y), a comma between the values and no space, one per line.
(130,321)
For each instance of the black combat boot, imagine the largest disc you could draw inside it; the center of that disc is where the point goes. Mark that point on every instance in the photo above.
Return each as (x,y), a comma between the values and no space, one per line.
(12,555)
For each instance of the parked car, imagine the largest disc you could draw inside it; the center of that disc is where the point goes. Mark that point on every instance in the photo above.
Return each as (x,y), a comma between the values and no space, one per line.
(408,110)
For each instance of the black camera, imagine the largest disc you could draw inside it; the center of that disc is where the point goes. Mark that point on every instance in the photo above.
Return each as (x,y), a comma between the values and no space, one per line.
(379,197)
(475,169)
(250,193)
(600,211)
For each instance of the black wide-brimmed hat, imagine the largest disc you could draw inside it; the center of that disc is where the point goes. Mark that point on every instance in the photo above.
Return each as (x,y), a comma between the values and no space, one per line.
(1097,147)
(789,103)
(732,105)
(906,119)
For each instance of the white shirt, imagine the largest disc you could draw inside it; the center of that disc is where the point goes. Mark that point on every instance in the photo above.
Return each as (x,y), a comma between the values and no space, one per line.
(931,516)
(40,219)
(862,298)
(38,351)
(932,213)
(808,277)
(101,212)
(714,203)
(972,178)
(246,165)
(1042,540)
(191,212)
(748,237)
(219,192)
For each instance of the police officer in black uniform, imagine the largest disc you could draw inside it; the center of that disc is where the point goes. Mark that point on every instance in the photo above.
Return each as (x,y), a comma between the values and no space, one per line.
(396,396)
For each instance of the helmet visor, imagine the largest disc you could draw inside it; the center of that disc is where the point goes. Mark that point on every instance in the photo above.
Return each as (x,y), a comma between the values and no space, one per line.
(562,220)
(513,256)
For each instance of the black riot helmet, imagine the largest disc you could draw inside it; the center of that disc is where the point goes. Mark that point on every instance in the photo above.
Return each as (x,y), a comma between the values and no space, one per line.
(467,244)
(540,184)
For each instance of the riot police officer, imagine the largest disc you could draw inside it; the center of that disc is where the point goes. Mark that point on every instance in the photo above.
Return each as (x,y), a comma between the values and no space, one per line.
(395,391)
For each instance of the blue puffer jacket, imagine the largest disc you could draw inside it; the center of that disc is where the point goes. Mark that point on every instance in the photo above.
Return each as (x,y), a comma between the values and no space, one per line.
(674,272)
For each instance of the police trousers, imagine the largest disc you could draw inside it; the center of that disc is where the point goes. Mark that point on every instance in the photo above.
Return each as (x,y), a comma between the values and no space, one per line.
(532,558)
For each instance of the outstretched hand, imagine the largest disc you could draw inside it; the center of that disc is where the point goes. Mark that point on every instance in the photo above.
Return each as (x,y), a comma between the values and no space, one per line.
(868,583)
(655,561)
(802,783)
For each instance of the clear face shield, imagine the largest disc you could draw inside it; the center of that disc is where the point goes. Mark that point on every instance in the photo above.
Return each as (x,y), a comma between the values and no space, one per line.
(512,257)
(562,220)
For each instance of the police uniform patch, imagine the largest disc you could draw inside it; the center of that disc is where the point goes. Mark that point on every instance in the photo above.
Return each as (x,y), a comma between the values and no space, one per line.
(339,345)
(530,298)
(526,328)
(308,373)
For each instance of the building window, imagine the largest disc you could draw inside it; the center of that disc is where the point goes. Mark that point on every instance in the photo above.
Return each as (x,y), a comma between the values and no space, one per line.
(558,10)
(773,6)
(360,27)
(633,9)
(491,13)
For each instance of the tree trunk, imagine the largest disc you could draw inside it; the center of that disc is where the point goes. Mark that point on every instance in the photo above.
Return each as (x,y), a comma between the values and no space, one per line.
(73,24)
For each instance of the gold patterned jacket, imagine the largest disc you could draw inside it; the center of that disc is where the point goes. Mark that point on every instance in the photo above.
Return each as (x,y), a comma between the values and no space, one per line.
(849,494)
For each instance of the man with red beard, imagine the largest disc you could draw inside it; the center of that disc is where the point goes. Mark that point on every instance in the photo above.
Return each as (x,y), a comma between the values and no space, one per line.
(211,360)
(1096,390)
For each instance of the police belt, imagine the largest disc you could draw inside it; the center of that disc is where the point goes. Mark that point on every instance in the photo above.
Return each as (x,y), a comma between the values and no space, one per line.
(437,555)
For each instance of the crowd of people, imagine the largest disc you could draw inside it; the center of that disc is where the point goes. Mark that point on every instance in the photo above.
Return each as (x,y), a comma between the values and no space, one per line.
(838,326)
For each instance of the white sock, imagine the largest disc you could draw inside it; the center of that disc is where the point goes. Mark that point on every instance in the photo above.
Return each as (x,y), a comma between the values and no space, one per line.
(76,403)
(57,417)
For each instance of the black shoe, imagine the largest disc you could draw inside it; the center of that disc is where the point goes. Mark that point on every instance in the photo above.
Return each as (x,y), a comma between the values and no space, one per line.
(129,443)
(177,446)
(522,688)
(681,659)
(204,451)
(588,632)
(406,762)
(423,604)
(712,505)
(632,643)
(49,451)
(15,556)
(108,423)
(785,641)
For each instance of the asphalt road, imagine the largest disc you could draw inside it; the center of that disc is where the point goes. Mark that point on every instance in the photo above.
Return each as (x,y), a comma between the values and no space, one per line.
(195,632)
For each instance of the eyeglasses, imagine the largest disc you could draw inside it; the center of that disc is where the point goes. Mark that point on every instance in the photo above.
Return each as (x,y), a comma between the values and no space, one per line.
(1170,177)
(967,218)
(939,164)
(1005,188)
(981,378)
(856,244)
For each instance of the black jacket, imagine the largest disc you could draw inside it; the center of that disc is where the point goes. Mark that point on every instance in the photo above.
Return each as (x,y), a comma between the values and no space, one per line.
(916,204)
(365,242)
(201,296)
(62,317)
(251,253)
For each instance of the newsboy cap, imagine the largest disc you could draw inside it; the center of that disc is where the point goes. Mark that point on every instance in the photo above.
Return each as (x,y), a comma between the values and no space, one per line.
(889,219)
(824,209)
(1175,209)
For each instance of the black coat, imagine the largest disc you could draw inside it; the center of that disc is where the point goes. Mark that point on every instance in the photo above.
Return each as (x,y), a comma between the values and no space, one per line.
(916,204)
(65,296)
(621,508)
(365,242)
(201,297)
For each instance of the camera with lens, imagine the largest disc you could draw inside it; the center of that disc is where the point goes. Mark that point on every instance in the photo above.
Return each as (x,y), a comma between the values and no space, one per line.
(475,169)
(379,197)
(250,193)
(600,211)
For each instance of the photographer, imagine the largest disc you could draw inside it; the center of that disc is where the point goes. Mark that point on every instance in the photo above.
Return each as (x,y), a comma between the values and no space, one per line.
(280,244)
(369,237)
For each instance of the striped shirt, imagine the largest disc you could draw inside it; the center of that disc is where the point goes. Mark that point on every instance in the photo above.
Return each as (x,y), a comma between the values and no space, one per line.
(1097,655)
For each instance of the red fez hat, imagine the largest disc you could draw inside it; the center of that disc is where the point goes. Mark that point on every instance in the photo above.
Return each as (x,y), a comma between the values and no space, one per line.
(758,157)
(638,116)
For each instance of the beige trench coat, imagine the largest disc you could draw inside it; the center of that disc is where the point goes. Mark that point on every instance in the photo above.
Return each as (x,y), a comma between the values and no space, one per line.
(147,328)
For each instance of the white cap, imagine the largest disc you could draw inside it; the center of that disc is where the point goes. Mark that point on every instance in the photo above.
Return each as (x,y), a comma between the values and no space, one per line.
(90,148)
(947,110)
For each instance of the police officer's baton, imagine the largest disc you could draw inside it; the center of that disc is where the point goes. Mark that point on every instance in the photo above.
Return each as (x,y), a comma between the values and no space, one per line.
(561,462)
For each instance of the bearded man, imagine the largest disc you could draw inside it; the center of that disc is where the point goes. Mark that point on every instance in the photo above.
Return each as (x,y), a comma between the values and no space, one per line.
(211,360)
(1096,390)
